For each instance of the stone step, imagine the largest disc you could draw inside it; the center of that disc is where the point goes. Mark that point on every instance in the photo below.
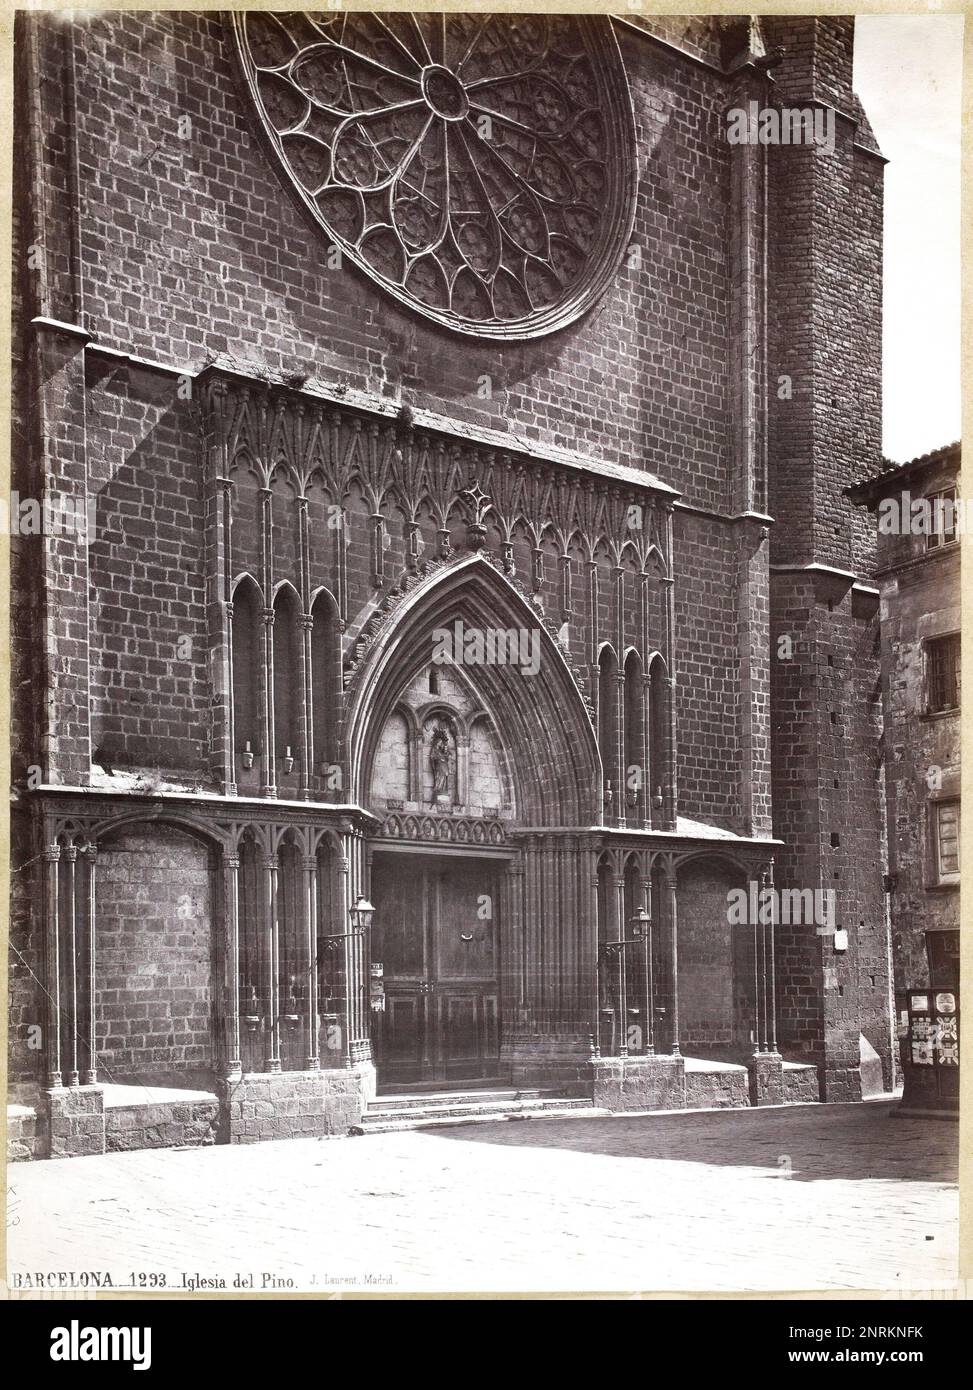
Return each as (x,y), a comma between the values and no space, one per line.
(418,1100)
(379,1119)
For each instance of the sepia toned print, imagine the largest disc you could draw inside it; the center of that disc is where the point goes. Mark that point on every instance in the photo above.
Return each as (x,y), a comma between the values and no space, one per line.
(464,670)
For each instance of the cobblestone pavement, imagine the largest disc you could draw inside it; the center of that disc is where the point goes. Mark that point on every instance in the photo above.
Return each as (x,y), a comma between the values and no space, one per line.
(816,1197)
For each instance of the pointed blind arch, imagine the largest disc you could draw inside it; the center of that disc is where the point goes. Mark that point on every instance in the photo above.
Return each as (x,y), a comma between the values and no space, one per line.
(247,665)
(325,687)
(288,690)
(608,719)
(634,769)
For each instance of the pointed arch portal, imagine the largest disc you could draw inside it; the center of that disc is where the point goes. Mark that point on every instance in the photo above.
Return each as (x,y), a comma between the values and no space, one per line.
(534,700)
(484,909)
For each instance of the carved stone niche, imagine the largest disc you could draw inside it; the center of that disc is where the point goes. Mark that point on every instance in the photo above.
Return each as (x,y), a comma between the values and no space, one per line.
(440,753)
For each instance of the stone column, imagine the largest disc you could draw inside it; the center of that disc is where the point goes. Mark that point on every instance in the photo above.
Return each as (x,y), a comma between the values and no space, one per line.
(567,855)
(766,1068)
(272,950)
(648,970)
(312,1059)
(220,580)
(343,867)
(772,970)
(758,988)
(71,858)
(462,767)
(231,909)
(229,752)
(671,891)
(648,771)
(531,926)
(52,925)
(670,792)
(618,884)
(514,932)
(91,1073)
(588,942)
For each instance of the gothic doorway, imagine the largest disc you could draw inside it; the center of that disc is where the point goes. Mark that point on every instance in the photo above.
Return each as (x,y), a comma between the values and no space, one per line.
(435,941)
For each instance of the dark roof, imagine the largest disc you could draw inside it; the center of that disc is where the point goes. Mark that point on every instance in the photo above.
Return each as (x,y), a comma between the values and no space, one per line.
(894,475)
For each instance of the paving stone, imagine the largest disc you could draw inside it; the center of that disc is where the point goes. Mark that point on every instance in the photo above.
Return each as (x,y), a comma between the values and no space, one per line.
(797,1198)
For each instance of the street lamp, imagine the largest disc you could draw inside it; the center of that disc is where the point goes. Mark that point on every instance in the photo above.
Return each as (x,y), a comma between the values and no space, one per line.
(640,923)
(361,915)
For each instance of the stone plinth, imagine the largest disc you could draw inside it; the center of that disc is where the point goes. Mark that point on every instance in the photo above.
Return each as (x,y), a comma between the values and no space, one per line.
(77,1121)
(639,1083)
(766,1072)
(294,1105)
(555,1061)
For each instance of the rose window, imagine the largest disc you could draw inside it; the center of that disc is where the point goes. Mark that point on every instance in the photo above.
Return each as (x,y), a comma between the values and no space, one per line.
(479,167)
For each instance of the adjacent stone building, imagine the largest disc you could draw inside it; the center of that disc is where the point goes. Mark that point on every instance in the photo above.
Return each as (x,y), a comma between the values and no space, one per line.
(919,527)
(350,343)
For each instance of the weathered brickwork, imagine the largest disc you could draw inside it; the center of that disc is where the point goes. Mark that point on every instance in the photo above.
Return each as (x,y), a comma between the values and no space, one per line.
(291,482)
(155,954)
(825,427)
(150,696)
(715,964)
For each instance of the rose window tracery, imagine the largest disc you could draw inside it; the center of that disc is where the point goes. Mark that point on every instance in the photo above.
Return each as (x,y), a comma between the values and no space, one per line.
(479,167)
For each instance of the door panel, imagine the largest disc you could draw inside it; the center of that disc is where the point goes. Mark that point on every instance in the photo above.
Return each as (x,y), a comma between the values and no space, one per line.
(465,939)
(435,934)
(470,1046)
(401,897)
(403,1032)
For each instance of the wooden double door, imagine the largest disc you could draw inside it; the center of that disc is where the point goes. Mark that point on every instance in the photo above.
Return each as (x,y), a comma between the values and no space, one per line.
(435,938)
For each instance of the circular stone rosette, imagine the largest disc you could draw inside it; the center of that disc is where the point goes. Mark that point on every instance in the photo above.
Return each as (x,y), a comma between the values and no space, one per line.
(480,168)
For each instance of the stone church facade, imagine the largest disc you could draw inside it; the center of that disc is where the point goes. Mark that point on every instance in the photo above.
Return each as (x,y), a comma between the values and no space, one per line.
(463,600)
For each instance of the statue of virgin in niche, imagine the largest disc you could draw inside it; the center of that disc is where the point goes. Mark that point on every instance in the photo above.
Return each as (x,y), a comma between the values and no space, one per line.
(441,761)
